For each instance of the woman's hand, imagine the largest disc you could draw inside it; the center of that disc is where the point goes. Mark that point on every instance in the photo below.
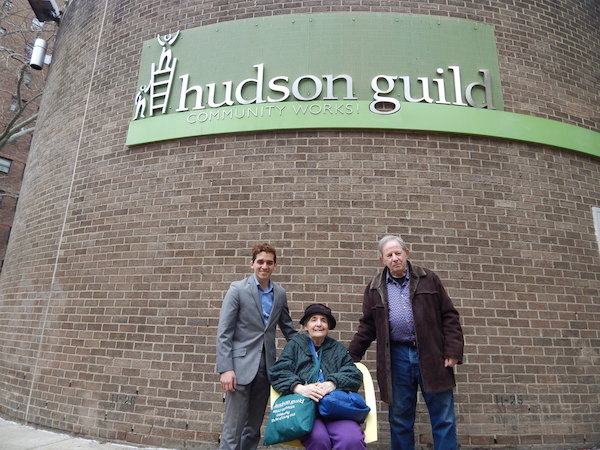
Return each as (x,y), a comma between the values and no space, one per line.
(314,391)
(327,386)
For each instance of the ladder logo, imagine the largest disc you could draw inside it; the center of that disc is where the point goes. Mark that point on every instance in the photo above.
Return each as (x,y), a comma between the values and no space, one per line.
(154,96)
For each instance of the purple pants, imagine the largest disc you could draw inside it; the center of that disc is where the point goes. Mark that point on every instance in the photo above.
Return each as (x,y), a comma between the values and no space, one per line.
(337,434)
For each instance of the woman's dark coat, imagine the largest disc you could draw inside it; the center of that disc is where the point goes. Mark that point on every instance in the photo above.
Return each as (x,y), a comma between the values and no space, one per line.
(296,364)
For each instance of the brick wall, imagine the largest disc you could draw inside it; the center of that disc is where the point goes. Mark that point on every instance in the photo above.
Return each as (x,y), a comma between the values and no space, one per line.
(120,257)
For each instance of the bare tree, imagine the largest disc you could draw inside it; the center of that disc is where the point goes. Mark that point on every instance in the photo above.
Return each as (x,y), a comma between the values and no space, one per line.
(20,86)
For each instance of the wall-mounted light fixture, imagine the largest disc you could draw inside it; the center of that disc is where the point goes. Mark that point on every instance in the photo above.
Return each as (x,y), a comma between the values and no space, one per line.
(45,10)
(38,54)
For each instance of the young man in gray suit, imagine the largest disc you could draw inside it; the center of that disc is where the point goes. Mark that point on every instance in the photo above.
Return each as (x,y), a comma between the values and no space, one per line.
(251,311)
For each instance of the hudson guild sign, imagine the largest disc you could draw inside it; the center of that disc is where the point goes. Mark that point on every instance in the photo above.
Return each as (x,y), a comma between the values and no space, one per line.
(331,71)
(154,96)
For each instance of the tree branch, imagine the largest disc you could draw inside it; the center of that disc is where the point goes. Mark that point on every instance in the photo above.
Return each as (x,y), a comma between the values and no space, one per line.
(13,137)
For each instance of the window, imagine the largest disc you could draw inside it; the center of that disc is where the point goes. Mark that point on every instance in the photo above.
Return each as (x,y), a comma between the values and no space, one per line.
(27,77)
(14,105)
(5,165)
(8,201)
(596,215)
(7,235)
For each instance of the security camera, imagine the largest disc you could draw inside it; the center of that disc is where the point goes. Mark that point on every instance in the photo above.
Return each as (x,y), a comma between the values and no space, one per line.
(38,54)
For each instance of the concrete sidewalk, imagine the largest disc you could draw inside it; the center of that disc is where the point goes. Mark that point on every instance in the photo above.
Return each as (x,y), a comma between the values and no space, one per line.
(15,436)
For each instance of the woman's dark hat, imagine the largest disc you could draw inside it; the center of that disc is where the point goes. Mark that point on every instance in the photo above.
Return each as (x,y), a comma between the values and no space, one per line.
(319,308)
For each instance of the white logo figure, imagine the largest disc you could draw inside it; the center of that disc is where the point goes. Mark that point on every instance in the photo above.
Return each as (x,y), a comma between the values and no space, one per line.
(140,102)
(161,78)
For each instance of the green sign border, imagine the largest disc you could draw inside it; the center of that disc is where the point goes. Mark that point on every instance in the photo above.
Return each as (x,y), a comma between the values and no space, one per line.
(412,116)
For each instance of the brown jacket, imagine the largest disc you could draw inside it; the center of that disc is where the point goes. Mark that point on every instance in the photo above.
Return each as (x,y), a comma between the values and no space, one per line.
(439,334)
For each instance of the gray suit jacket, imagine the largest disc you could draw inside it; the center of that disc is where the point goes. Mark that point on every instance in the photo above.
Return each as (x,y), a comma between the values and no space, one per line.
(242,334)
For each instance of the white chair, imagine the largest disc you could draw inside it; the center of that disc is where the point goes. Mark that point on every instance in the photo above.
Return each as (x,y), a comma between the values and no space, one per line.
(370,425)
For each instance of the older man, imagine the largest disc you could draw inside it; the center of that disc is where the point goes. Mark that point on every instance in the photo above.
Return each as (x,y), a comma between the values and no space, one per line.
(419,341)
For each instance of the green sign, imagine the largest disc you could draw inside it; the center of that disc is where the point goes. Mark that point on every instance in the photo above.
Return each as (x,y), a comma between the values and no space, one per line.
(337,70)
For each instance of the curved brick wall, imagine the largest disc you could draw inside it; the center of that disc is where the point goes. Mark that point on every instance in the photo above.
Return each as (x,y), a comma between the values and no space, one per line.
(119,257)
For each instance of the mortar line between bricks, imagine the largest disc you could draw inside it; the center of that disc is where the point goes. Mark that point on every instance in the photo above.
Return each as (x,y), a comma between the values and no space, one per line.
(42,333)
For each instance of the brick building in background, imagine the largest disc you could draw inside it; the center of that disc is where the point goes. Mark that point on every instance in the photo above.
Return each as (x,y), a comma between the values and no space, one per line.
(120,255)
(20,89)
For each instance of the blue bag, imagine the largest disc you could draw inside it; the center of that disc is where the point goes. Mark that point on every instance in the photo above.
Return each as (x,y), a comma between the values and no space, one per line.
(339,405)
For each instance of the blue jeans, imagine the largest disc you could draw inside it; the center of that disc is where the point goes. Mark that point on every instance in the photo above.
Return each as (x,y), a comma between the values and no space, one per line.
(406,376)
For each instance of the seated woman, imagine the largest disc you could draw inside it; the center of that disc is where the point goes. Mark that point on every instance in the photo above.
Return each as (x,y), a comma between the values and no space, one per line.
(294,367)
